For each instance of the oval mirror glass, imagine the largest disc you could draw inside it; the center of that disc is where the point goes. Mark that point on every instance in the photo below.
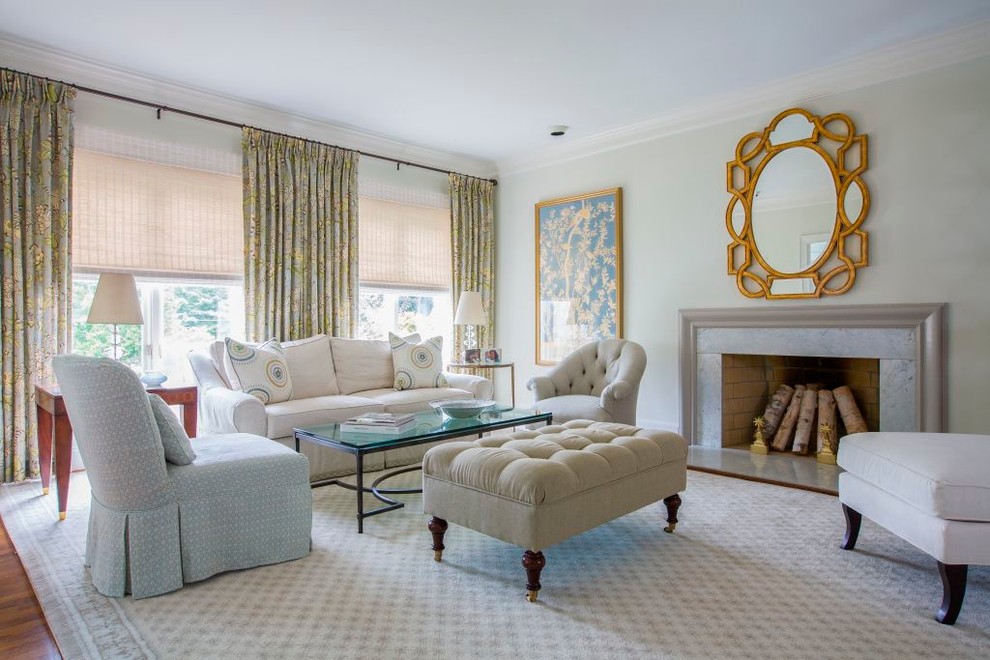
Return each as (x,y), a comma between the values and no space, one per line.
(794,207)
(853,203)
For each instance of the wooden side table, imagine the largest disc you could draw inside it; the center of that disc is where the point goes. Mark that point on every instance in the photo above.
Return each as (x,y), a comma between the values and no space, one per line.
(476,368)
(53,420)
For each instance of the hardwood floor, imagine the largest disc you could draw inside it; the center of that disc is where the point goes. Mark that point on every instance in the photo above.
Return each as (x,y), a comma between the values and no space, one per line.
(24,632)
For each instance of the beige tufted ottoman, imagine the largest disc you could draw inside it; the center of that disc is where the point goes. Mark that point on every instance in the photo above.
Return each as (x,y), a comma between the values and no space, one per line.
(535,488)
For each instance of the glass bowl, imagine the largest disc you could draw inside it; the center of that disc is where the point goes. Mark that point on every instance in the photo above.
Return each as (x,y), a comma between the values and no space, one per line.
(463,408)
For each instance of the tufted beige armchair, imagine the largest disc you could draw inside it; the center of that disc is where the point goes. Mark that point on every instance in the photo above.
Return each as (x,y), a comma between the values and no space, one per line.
(599,381)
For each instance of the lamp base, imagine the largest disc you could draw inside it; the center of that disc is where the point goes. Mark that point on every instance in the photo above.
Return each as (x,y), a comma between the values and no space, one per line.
(470,341)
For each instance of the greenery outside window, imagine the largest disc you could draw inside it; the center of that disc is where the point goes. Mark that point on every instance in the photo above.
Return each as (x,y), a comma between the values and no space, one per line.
(405,311)
(178,317)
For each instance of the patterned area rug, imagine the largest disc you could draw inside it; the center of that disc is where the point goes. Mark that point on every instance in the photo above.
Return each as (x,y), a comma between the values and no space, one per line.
(752,571)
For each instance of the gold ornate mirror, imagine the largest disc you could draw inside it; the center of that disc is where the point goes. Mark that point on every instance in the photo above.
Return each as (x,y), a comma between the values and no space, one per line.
(798,202)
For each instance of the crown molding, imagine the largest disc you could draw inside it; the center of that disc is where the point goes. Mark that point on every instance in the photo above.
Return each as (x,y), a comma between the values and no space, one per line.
(899,61)
(44,61)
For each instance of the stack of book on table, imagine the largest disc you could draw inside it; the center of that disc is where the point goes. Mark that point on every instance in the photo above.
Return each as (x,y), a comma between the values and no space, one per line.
(379,423)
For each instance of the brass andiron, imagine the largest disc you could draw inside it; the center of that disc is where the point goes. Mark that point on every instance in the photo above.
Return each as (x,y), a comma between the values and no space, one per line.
(826,455)
(759,445)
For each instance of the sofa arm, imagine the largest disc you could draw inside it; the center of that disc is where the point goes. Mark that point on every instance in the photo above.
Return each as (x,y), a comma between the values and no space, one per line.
(229,411)
(479,386)
(616,391)
(542,387)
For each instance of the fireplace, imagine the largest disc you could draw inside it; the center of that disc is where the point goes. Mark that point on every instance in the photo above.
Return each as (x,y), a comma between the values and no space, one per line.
(748,381)
(904,342)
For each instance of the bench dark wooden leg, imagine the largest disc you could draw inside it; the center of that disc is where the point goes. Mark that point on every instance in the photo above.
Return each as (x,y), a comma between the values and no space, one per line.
(953,591)
(437,527)
(533,562)
(853,520)
(673,504)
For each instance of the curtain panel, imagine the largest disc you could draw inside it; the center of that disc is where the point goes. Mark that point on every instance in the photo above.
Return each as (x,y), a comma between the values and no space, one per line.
(472,243)
(35,287)
(300,237)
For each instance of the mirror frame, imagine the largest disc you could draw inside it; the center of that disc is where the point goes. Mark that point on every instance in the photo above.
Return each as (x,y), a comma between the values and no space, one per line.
(834,138)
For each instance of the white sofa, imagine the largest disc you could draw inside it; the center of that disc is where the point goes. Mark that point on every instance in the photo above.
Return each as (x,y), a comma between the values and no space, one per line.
(332,379)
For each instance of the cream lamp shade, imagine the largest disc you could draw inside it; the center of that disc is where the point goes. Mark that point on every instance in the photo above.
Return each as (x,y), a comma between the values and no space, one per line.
(116,301)
(469,313)
(469,309)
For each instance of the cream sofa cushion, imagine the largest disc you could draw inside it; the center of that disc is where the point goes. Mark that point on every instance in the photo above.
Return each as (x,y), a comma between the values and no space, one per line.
(403,401)
(574,406)
(363,364)
(417,364)
(311,367)
(285,416)
(941,474)
(260,371)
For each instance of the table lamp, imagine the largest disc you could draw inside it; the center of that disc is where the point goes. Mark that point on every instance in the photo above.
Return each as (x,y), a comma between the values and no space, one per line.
(116,302)
(469,313)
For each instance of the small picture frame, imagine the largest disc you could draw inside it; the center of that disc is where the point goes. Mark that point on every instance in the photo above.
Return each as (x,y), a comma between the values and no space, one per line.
(492,356)
(472,356)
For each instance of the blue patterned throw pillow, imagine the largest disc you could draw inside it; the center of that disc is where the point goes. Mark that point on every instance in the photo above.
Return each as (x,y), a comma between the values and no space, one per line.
(417,365)
(178,448)
(261,371)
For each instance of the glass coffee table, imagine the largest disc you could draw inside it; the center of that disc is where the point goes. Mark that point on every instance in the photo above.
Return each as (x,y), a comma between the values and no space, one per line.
(430,426)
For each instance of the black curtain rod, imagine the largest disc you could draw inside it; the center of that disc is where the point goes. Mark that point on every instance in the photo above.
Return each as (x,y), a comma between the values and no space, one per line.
(226,122)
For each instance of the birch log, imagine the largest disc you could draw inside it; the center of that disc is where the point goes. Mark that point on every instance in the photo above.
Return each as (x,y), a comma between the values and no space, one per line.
(776,409)
(826,415)
(806,422)
(782,439)
(852,419)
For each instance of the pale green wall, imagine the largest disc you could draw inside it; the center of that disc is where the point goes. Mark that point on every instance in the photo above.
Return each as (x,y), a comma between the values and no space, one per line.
(929,178)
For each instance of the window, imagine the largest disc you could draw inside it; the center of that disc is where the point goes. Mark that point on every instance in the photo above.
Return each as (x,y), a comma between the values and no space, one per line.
(177,319)
(172,216)
(403,312)
(404,259)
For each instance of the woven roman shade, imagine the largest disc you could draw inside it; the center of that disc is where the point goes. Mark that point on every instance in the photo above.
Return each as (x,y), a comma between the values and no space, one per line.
(155,220)
(403,245)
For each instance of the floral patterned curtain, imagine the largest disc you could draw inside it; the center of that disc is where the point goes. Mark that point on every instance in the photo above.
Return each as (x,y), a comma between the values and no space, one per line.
(35,287)
(472,238)
(300,237)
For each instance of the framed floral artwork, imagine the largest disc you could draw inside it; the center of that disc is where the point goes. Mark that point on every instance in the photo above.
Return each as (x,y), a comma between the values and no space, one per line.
(578,272)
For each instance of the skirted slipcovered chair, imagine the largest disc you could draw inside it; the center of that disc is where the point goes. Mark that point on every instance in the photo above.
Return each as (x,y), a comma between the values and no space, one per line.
(243,501)
(599,381)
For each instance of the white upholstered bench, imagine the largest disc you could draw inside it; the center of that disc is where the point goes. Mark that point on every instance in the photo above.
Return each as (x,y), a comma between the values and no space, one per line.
(930,489)
(535,488)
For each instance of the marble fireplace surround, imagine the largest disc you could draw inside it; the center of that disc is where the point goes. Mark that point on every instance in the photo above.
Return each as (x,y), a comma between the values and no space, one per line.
(908,340)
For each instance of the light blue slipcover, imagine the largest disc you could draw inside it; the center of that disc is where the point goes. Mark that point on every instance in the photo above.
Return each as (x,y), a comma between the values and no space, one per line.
(244,501)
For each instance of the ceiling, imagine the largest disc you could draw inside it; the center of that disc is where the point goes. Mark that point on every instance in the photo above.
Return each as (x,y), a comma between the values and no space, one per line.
(480,79)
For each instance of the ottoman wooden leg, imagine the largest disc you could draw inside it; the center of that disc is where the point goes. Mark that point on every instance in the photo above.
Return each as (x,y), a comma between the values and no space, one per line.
(673,504)
(437,527)
(853,520)
(953,591)
(533,562)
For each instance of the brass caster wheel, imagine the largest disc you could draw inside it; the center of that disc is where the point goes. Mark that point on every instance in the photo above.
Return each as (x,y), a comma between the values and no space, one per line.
(531,596)
(437,554)
(44,491)
(61,515)
(670,528)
